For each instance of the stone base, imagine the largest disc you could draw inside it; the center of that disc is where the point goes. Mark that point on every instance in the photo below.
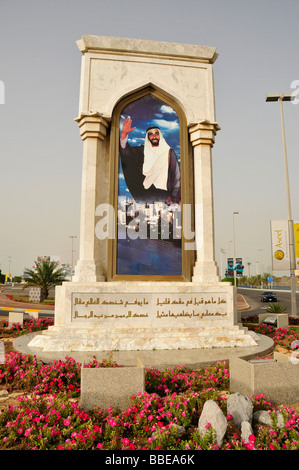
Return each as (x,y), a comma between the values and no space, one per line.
(62,339)
(111,316)
(110,386)
(255,378)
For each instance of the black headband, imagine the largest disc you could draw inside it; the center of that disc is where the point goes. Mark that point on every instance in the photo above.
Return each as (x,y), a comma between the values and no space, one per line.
(152,127)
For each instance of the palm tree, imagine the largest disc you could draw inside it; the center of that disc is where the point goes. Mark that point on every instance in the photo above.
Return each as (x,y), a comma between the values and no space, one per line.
(45,275)
(243,281)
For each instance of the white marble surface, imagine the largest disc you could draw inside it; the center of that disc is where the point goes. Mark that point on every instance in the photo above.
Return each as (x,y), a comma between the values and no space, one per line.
(89,43)
(73,339)
(115,67)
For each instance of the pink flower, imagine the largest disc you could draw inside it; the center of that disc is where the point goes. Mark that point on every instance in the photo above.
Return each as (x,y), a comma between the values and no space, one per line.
(229,417)
(59,447)
(99,445)
(66,422)
(208,425)
(271,446)
(251,438)
(27,432)
(112,422)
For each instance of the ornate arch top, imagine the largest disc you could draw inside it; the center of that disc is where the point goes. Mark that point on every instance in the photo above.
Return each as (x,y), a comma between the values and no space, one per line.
(113,68)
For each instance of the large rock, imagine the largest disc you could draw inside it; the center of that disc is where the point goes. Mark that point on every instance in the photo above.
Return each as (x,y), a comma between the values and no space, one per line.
(213,416)
(264,417)
(246,431)
(240,407)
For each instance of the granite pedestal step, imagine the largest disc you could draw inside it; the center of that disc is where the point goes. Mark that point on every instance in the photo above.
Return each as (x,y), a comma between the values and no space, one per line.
(86,339)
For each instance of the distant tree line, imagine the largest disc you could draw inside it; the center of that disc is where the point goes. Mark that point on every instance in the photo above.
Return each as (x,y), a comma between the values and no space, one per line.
(253,281)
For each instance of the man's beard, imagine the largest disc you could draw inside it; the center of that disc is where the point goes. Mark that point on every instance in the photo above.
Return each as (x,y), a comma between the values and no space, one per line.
(155,142)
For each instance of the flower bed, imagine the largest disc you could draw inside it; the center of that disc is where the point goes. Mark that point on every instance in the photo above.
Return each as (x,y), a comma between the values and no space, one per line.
(25,298)
(48,415)
(29,326)
(281,336)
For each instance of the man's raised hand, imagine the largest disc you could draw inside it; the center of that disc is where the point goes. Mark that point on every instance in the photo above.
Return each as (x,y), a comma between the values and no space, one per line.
(126,129)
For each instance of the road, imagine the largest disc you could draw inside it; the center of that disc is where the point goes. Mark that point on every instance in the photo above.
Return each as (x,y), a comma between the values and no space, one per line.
(17,290)
(7,303)
(253,298)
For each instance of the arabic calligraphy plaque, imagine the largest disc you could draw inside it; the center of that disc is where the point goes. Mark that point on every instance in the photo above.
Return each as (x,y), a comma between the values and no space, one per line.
(145,306)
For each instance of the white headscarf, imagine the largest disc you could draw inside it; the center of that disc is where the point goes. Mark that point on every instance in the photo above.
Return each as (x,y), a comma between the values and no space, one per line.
(155,165)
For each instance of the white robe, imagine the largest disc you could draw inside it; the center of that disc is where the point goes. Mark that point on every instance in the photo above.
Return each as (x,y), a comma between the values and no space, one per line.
(155,165)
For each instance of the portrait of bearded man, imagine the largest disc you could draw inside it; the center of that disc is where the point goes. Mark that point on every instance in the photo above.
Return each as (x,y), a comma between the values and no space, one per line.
(151,170)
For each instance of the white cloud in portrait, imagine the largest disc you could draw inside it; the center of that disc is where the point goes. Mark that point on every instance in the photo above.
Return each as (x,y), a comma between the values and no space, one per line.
(167,109)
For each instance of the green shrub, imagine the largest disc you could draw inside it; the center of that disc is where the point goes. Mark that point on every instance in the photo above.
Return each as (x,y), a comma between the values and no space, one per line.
(276,307)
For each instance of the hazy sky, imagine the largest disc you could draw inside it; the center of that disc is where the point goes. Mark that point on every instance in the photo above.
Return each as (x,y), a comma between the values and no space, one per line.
(41,149)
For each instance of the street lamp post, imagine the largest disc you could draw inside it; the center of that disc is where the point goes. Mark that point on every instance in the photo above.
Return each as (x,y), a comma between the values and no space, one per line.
(248,264)
(281,98)
(9,262)
(234,248)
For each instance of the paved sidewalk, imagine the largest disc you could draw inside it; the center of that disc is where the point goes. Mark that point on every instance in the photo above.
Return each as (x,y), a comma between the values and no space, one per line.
(241,303)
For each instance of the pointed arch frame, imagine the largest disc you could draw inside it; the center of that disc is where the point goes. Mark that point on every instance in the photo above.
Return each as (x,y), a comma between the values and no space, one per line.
(187,184)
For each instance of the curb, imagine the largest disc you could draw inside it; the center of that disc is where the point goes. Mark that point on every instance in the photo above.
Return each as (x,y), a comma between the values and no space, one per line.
(27,310)
(243,309)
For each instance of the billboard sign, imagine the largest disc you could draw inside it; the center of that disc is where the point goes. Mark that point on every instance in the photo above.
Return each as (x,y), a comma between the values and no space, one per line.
(296,238)
(280,245)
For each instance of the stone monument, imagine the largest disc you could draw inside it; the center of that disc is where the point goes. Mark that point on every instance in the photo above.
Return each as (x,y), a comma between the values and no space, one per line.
(146,277)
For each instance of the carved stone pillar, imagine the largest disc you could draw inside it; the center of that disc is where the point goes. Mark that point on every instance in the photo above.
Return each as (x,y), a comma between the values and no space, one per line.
(93,130)
(202,137)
